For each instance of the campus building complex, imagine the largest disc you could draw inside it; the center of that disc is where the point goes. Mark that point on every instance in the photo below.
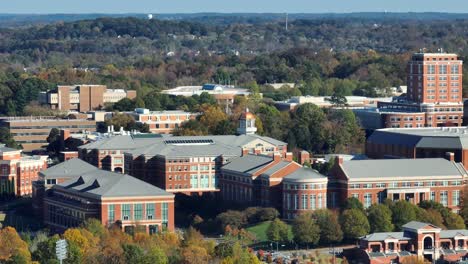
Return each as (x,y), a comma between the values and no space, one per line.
(433,99)
(17,172)
(187,164)
(423,240)
(419,143)
(32,132)
(162,122)
(83,98)
(73,191)
(414,180)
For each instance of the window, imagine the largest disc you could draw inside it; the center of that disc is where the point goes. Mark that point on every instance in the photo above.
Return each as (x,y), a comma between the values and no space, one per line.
(367,200)
(455,69)
(288,201)
(430,69)
(304,201)
(51,181)
(456,198)
(355,186)
(164,213)
(111,213)
(296,202)
(150,211)
(193,181)
(432,198)
(406,184)
(380,185)
(319,201)
(456,183)
(355,195)
(367,185)
(138,211)
(418,184)
(304,186)
(445,183)
(444,198)
(312,202)
(393,184)
(442,69)
(126,212)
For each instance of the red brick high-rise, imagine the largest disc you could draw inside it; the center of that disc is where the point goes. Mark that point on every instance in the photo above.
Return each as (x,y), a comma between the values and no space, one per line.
(433,99)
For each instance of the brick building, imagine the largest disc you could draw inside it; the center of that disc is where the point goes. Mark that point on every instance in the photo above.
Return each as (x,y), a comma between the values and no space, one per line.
(419,143)
(32,132)
(259,180)
(83,98)
(414,180)
(187,164)
(162,122)
(113,198)
(423,240)
(434,96)
(18,172)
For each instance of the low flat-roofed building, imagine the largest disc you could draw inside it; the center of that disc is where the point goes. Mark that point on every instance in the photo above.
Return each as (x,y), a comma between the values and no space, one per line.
(414,180)
(112,198)
(162,122)
(324,102)
(32,131)
(426,241)
(413,143)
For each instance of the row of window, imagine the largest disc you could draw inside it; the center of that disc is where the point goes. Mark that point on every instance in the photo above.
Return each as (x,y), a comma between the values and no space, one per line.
(441,78)
(313,186)
(312,202)
(192,168)
(403,184)
(135,212)
(201,159)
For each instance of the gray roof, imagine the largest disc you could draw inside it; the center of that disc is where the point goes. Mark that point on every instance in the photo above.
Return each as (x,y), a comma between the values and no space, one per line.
(248,164)
(304,174)
(453,233)
(282,164)
(68,169)
(417,225)
(439,167)
(439,138)
(384,236)
(100,183)
(229,145)
(3,148)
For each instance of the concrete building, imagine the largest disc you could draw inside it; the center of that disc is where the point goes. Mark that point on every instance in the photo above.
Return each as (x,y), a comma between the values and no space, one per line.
(223,94)
(419,143)
(426,241)
(433,99)
(113,198)
(413,180)
(187,164)
(32,132)
(83,98)
(162,122)
(324,102)
(17,172)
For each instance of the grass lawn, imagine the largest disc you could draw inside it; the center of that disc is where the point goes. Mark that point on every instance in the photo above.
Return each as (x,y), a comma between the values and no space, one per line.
(260,231)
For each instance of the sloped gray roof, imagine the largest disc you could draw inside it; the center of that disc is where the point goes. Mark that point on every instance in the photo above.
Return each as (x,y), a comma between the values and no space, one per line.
(282,164)
(222,144)
(102,183)
(444,138)
(417,225)
(3,148)
(386,235)
(248,164)
(304,174)
(453,233)
(68,169)
(401,168)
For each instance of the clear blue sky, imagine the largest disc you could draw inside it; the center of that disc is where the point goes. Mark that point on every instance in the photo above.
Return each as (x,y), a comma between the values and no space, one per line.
(229,6)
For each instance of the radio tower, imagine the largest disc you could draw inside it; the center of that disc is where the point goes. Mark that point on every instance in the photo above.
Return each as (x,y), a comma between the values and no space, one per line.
(286,24)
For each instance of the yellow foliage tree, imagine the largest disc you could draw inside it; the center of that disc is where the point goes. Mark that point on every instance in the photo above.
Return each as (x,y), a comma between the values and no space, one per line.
(12,245)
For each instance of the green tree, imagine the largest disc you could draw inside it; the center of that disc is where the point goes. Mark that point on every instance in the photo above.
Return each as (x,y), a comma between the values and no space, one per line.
(53,139)
(124,104)
(353,203)
(305,230)
(402,213)
(329,225)
(277,231)
(7,139)
(354,223)
(133,253)
(380,218)
(454,221)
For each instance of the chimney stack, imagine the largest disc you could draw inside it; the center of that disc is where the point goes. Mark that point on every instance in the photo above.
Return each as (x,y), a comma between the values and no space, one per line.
(288,156)
(304,156)
(450,156)
(276,156)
